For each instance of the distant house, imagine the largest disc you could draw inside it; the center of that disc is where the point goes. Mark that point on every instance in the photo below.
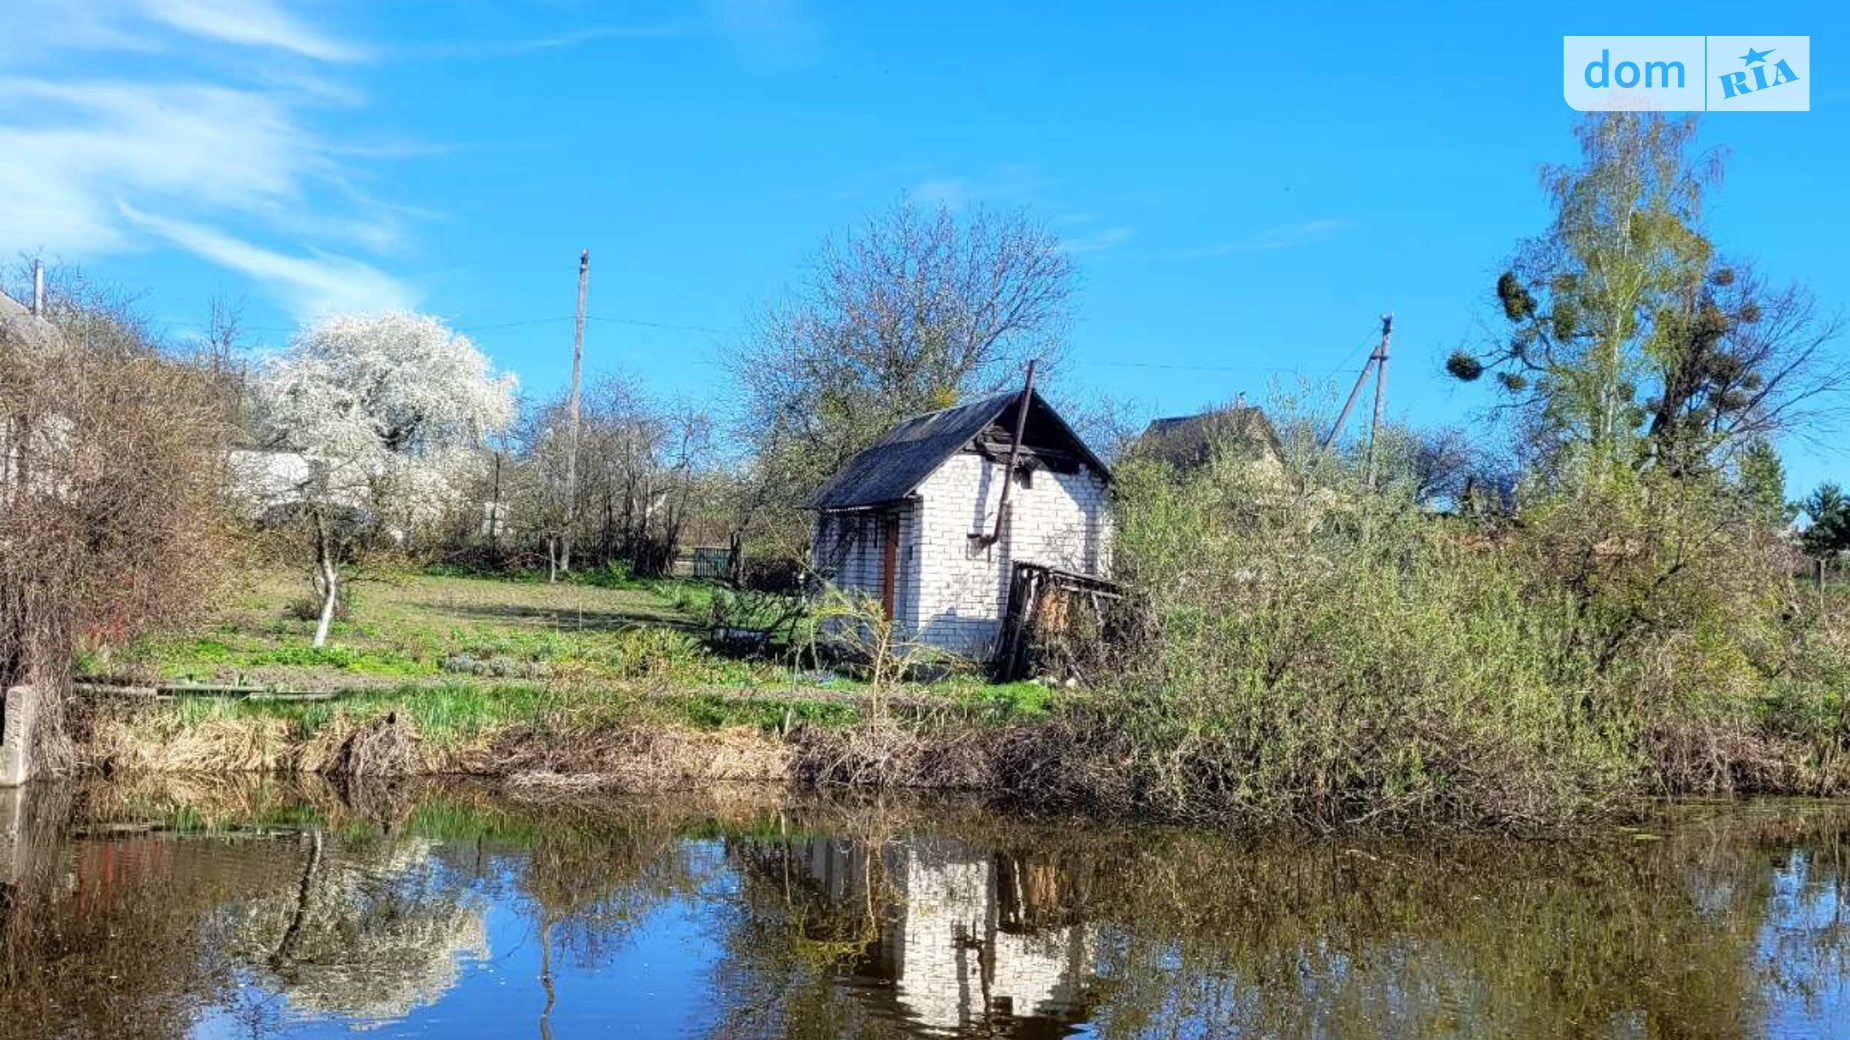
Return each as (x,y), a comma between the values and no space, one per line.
(47,436)
(1187,441)
(912,521)
(267,481)
(20,327)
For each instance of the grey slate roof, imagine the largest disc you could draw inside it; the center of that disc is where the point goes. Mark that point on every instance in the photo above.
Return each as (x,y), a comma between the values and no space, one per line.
(1185,440)
(899,462)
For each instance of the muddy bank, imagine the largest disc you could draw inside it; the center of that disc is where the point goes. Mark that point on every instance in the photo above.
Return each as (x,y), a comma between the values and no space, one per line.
(1050,763)
(1069,763)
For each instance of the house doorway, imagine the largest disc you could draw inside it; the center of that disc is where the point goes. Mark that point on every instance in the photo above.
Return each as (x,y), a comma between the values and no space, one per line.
(889,561)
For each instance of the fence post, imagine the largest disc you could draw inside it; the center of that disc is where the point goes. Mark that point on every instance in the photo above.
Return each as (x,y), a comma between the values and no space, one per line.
(12,827)
(20,711)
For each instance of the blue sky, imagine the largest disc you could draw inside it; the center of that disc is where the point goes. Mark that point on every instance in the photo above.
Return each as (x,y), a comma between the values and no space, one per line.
(1246,188)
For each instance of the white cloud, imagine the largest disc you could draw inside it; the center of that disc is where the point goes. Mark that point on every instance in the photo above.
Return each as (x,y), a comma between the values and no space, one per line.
(251,23)
(1011,183)
(312,285)
(500,48)
(93,165)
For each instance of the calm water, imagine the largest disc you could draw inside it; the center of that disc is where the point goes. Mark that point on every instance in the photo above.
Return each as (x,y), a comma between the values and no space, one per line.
(266,910)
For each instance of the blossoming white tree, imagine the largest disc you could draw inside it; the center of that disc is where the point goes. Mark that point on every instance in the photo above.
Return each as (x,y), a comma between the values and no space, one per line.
(386,412)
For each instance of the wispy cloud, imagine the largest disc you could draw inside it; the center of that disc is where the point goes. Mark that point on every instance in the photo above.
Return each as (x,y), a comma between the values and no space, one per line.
(465,49)
(159,26)
(768,32)
(1288,236)
(250,23)
(94,165)
(311,285)
(1014,182)
(1102,240)
(1022,184)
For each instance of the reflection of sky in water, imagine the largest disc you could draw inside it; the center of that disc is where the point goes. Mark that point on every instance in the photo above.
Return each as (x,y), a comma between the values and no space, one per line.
(1810,991)
(811,932)
(640,990)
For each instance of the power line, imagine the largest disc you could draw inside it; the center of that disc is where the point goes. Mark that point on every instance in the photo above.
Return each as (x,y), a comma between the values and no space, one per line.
(1366,341)
(665,325)
(1179,368)
(600,319)
(513,324)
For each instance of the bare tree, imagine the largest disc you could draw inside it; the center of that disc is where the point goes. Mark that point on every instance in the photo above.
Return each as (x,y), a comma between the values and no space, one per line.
(640,461)
(914,310)
(111,487)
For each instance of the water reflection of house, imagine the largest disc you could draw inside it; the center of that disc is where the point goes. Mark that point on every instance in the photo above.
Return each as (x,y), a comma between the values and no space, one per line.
(968,938)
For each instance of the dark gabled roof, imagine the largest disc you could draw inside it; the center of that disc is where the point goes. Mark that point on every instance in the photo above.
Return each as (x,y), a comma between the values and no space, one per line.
(899,462)
(1186,440)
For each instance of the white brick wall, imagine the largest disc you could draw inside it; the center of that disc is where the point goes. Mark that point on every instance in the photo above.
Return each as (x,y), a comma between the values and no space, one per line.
(948,592)
(1060,521)
(849,548)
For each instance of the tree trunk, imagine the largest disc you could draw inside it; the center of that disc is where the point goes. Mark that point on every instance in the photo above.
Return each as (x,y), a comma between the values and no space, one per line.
(330,577)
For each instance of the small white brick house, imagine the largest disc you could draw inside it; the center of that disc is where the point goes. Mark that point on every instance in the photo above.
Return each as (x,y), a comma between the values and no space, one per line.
(911,521)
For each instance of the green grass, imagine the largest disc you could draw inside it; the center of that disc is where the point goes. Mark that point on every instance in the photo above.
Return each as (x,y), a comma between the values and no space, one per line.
(445,629)
(464,657)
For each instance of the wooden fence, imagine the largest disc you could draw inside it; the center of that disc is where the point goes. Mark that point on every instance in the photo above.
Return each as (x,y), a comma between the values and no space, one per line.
(1054,619)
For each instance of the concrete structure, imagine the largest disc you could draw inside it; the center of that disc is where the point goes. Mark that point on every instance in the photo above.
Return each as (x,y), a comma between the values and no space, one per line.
(16,723)
(912,521)
(12,825)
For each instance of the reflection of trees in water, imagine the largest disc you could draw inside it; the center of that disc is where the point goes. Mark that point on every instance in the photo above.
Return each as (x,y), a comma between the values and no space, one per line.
(836,924)
(1477,938)
(592,882)
(1195,935)
(351,918)
(99,938)
(371,929)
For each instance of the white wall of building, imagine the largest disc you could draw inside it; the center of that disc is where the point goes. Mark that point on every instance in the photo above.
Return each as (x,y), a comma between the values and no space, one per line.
(950,592)
(1060,520)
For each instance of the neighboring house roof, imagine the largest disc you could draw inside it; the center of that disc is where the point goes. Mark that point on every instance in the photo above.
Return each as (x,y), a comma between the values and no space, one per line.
(19,324)
(899,462)
(1187,440)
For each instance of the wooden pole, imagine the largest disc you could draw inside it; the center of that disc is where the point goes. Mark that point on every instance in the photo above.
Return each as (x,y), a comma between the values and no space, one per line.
(1354,392)
(1008,473)
(1381,359)
(571,458)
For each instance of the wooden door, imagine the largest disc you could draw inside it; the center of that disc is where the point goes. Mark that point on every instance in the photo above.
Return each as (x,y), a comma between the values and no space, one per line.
(889,562)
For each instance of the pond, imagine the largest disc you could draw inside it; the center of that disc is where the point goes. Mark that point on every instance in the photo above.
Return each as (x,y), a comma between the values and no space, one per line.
(264,908)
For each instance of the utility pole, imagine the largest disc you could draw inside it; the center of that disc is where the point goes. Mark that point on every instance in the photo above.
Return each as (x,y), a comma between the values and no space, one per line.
(1379,356)
(38,288)
(571,458)
(1381,360)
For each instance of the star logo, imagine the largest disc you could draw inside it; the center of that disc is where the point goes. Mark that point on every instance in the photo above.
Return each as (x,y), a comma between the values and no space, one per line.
(1754,57)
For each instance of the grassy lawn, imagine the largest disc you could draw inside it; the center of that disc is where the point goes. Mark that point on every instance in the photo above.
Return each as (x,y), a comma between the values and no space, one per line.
(415,629)
(483,647)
